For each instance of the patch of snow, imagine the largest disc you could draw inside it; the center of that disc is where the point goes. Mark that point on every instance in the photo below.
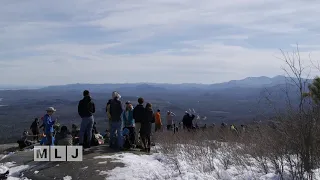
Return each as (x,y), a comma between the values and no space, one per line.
(57,165)
(160,166)
(67,178)
(3,169)
(137,167)
(2,156)
(14,170)
(36,172)
(103,173)
(84,168)
(103,162)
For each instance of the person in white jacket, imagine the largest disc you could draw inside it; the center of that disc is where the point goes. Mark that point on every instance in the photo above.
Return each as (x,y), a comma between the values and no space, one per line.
(170,120)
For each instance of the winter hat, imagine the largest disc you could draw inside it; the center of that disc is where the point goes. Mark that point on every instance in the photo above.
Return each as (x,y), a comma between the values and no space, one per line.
(115,94)
(51,109)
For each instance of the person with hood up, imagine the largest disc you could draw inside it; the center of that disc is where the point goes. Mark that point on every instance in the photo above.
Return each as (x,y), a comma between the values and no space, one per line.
(146,124)
(86,109)
(116,111)
(138,116)
(170,121)
(35,129)
(64,137)
(158,121)
(48,124)
(187,121)
(128,121)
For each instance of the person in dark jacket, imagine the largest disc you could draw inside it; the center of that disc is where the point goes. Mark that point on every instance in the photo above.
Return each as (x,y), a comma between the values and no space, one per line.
(35,129)
(86,109)
(138,116)
(64,137)
(146,124)
(187,121)
(116,111)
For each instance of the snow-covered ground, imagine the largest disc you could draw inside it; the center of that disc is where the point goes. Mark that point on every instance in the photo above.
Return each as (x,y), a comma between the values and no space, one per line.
(14,170)
(159,166)
(191,163)
(181,163)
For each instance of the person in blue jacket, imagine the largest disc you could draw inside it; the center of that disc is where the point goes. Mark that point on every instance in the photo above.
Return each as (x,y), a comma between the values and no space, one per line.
(49,122)
(129,122)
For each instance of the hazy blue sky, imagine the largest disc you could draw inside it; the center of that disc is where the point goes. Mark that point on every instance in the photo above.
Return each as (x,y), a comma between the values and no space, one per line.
(174,41)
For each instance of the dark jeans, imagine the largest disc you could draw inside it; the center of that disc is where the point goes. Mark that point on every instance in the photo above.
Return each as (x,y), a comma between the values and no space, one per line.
(131,134)
(116,125)
(86,129)
(49,139)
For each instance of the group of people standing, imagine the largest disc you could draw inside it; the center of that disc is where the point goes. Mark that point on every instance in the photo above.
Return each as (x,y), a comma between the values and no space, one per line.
(127,124)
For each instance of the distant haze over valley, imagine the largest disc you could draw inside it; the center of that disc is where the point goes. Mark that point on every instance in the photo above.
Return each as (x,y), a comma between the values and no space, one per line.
(236,101)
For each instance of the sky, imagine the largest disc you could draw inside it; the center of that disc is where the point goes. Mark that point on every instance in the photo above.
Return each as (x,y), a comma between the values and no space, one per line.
(161,41)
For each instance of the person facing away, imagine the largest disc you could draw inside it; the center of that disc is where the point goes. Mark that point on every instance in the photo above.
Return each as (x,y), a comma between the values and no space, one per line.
(146,124)
(128,121)
(108,113)
(170,122)
(86,109)
(138,116)
(158,121)
(35,129)
(48,124)
(116,122)
(64,137)
(187,120)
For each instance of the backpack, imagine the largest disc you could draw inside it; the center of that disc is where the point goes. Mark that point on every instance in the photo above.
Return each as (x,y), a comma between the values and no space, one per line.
(85,107)
(115,109)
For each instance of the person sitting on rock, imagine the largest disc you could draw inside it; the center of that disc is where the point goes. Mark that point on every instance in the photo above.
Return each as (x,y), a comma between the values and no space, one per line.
(64,137)
(23,141)
(75,130)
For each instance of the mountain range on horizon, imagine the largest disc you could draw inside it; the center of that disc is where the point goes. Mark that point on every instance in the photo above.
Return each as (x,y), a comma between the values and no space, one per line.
(249,82)
(262,81)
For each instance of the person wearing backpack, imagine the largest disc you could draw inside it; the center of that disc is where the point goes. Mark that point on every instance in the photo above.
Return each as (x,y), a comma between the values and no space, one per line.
(86,109)
(116,111)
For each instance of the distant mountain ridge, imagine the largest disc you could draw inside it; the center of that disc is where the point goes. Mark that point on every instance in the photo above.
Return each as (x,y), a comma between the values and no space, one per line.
(262,81)
(248,82)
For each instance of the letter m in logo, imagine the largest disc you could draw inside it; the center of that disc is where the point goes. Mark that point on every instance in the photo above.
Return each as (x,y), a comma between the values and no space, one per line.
(41,153)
